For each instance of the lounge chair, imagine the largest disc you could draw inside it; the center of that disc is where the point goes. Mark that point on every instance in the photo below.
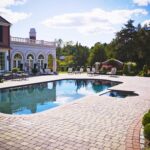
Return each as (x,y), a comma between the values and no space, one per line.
(78,70)
(20,75)
(93,71)
(81,70)
(113,71)
(42,72)
(7,75)
(88,70)
(24,75)
(70,70)
(48,71)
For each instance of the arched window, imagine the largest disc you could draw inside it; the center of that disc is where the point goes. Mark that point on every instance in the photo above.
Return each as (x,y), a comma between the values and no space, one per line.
(41,61)
(17,61)
(30,60)
(30,56)
(17,56)
(41,57)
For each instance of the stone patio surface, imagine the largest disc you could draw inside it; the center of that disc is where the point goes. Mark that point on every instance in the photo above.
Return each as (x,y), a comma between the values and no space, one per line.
(91,123)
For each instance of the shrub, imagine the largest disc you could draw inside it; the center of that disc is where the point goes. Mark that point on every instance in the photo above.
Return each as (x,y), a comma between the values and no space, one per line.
(145,69)
(1,79)
(146,119)
(34,71)
(144,72)
(125,69)
(15,70)
(119,72)
(130,68)
(133,66)
(147,131)
(141,73)
(103,70)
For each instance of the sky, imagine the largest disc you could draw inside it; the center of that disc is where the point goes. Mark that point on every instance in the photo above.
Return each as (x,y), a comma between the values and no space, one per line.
(85,21)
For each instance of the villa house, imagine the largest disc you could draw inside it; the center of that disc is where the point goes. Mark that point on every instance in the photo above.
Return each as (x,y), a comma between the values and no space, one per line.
(25,53)
(4,44)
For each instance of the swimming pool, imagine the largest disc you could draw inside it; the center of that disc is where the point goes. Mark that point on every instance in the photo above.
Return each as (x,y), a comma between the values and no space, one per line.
(39,97)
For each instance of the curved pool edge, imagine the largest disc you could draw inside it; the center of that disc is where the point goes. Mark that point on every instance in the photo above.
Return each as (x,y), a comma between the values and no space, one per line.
(58,79)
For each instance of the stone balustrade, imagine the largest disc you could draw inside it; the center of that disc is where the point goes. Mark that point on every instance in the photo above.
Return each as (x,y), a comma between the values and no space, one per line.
(32,42)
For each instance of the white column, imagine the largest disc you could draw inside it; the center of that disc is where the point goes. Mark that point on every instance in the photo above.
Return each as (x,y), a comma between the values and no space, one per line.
(54,65)
(6,61)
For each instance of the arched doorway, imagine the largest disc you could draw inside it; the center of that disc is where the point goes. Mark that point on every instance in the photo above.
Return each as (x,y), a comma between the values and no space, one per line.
(50,61)
(41,61)
(30,61)
(17,61)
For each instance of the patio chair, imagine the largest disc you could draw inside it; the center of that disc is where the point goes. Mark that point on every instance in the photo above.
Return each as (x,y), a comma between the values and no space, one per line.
(16,76)
(42,72)
(24,75)
(88,70)
(93,71)
(7,75)
(81,70)
(113,71)
(70,70)
(48,72)
(77,70)
(20,75)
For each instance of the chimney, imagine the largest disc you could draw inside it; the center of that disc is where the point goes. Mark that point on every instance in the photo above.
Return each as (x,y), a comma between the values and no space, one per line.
(32,34)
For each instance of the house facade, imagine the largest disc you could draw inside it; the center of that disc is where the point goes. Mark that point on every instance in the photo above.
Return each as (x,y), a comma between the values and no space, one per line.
(27,53)
(4,45)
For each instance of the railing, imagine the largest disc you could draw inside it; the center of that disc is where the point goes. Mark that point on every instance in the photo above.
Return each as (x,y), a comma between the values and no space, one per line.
(33,42)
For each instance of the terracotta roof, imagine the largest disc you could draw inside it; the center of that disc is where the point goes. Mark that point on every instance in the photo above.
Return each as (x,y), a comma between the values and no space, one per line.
(4,20)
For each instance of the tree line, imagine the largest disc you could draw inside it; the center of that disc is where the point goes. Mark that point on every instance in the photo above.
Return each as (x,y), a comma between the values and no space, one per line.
(131,44)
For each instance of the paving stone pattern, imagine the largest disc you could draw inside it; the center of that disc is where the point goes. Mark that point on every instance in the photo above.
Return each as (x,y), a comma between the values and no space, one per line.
(91,123)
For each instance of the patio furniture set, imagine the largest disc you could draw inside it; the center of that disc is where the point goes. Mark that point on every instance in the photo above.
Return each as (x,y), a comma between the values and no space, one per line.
(20,75)
(91,71)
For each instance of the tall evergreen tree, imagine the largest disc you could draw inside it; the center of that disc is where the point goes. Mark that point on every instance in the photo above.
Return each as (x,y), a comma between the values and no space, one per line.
(125,42)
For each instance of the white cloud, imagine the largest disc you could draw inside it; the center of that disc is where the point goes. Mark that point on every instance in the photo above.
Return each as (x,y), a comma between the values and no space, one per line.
(146,22)
(10,15)
(94,21)
(7,3)
(142,2)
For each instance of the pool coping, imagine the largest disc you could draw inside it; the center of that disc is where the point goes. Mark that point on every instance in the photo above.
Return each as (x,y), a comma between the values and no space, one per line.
(51,80)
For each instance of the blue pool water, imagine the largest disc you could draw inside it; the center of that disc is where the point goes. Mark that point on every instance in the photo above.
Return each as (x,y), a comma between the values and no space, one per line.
(39,97)
(120,94)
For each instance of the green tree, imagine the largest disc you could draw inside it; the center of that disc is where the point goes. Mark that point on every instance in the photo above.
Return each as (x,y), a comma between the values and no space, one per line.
(143,47)
(81,55)
(125,42)
(111,50)
(75,55)
(97,54)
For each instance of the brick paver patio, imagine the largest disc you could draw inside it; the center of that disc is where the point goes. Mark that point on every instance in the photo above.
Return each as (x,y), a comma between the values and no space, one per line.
(91,123)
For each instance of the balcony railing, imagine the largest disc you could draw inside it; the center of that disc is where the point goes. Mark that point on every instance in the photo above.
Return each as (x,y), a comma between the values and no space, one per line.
(32,42)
